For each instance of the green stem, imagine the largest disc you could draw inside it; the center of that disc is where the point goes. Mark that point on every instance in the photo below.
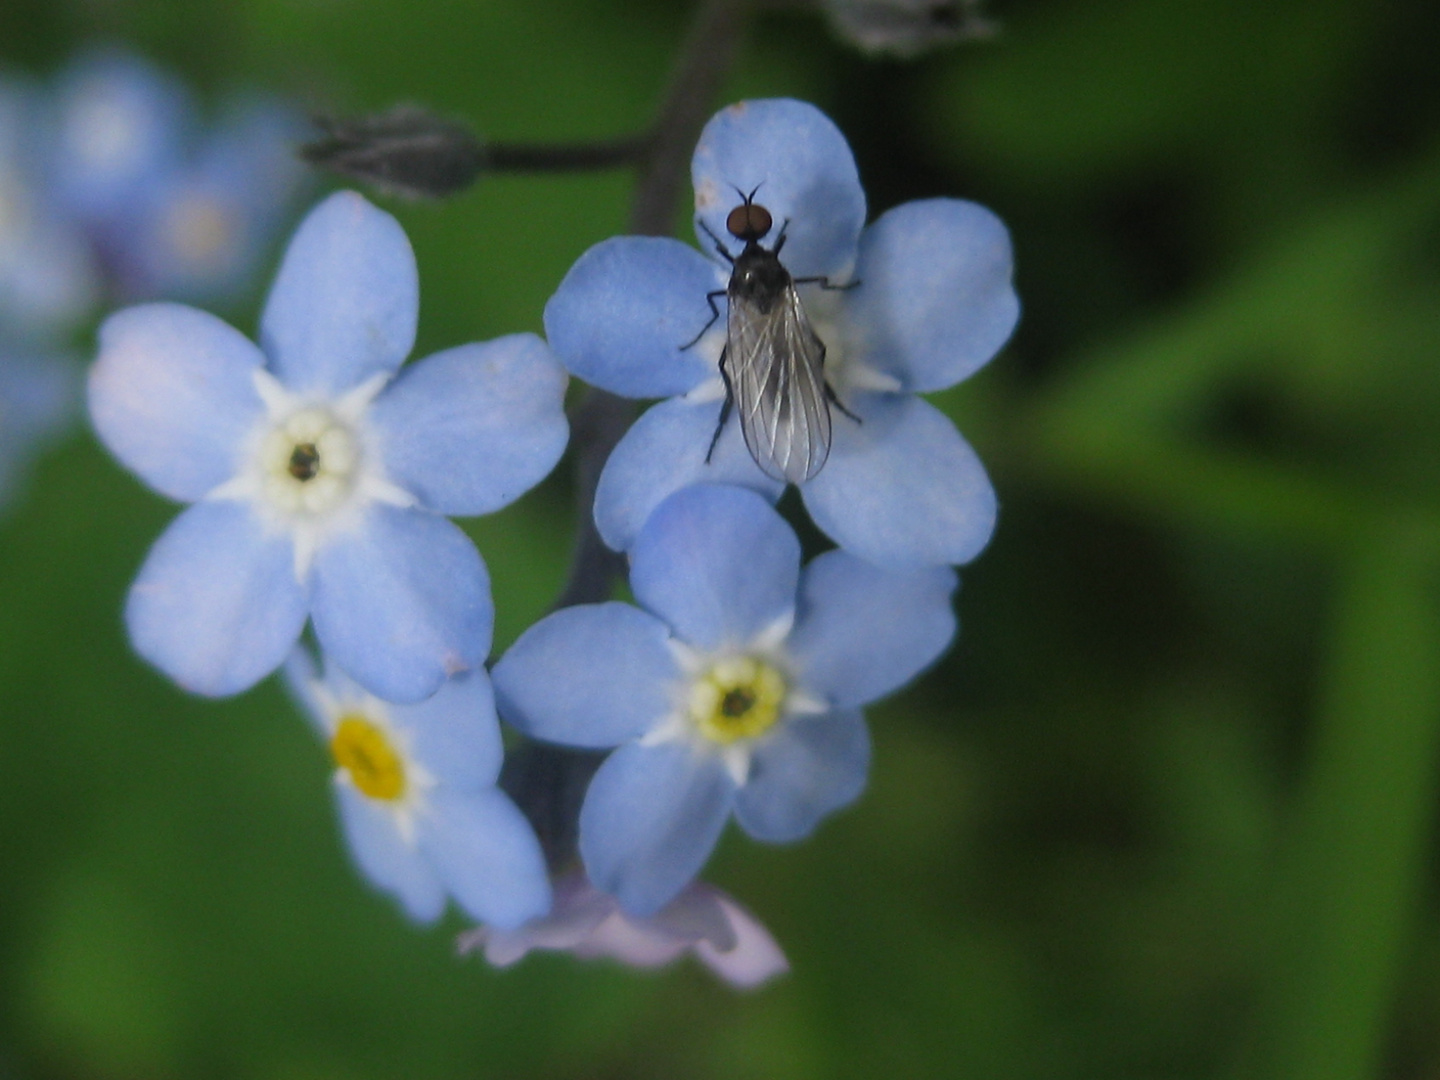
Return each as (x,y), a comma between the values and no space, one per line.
(1353,860)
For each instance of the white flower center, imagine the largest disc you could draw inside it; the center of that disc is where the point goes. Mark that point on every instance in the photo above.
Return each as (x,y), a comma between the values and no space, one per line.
(309,461)
(311,467)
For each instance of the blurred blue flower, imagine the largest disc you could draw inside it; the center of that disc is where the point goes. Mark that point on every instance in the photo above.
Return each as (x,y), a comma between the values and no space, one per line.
(39,395)
(200,231)
(931,301)
(415,790)
(319,475)
(122,127)
(737,688)
(48,277)
(172,208)
(590,924)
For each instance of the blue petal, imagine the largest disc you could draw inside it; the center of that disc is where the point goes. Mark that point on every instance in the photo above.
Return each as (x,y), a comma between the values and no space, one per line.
(301,679)
(487,855)
(216,606)
(936,300)
(625,310)
(805,175)
(594,675)
(902,489)
(716,563)
(172,395)
(863,632)
(375,843)
(344,304)
(811,767)
(454,733)
(471,429)
(663,452)
(402,603)
(650,820)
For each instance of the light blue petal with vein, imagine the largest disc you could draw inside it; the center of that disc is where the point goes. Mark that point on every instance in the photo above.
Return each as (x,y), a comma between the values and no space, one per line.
(216,605)
(402,602)
(594,675)
(936,299)
(623,313)
(344,304)
(650,820)
(716,563)
(863,632)
(375,843)
(810,767)
(902,489)
(804,172)
(663,452)
(487,855)
(455,734)
(172,395)
(471,429)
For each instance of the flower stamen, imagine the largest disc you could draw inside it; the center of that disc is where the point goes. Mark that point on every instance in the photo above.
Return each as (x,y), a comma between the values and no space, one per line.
(738,698)
(363,752)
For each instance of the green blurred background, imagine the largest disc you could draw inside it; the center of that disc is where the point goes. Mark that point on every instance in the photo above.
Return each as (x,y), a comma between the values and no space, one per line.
(1166,809)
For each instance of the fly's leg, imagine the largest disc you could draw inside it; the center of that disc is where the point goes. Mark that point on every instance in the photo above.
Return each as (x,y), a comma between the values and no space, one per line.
(724,409)
(830,390)
(830,397)
(825,283)
(719,247)
(714,314)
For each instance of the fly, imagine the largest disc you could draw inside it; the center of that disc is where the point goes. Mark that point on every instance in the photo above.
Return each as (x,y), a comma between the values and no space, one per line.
(773,363)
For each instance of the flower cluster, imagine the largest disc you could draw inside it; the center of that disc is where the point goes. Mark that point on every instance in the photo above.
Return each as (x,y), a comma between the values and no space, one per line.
(321,470)
(110,187)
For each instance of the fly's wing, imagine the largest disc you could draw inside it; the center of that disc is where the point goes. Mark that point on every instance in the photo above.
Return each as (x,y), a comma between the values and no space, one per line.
(776,367)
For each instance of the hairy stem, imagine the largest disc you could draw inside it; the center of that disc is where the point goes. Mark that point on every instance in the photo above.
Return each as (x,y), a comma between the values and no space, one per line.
(602,418)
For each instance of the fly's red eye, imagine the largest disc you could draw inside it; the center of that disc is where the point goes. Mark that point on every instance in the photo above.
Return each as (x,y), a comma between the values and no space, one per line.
(749,222)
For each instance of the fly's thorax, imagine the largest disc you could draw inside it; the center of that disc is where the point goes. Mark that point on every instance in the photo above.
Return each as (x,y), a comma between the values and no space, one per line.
(759,279)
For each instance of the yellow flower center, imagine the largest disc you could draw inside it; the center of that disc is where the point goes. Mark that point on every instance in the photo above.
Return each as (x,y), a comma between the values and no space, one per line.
(737,698)
(198,230)
(362,750)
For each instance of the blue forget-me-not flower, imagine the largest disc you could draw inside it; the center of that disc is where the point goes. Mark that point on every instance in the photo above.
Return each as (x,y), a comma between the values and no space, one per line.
(415,790)
(928,300)
(319,469)
(736,686)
